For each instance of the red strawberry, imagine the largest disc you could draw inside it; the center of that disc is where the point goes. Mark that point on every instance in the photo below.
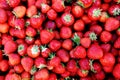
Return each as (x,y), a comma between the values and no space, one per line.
(105,36)
(22,49)
(65,74)
(59,69)
(71,66)
(50,25)
(42,74)
(108,69)
(40,62)
(2,77)
(4,27)
(8,76)
(13,3)
(95,52)
(110,26)
(10,47)
(25,75)
(27,63)
(46,36)
(55,45)
(45,8)
(96,67)
(15,77)
(4,66)
(85,42)
(18,68)
(19,23)
(33,51)
(4,5)
(84,64)
(3,16)
(117,43)
(96,28)
(100,75)
(1,55)
(14,59)
(53,16)
(116,71)
(79,52)
(82,73)
(105,47)
(108,59)
(52,76)
(29,40)
(67,44)
(63,55)
(6,38)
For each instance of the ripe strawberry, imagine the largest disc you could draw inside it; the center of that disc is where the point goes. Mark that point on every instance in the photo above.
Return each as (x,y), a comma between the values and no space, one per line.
(100,75)
(82,73)
(30,31)
(20,41)
(27,63)
(95,52)
(96,67)
(65,74)
(108,59)
(29,40)
(18,68)
(84,64)
(85,42)
(108,69)
(79,52)
(4,28)
(67,44)
(105,36)
(116,71)
(105,47)
(2,77)
(13,3)
(25,75)
(65,32)
(52,76)
(53,16)
(30,2)
(31,11)
(33,51)
(6,38)
(40,62)
(58,22)
(71,66)
(3,16)
(117,43)
(110,26)
(42,74)
(15,76)
(59,69)
(46,36)
(10,47)
(45,8)
(22,49)
(50,25)
(4,65)
(14,59)
(63,55)
(4,5)
(19,11)
(55,45)
(39,2)
(1,55)
(118,31)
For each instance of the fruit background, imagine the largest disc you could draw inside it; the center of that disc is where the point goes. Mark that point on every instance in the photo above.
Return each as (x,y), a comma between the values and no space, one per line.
(59,39)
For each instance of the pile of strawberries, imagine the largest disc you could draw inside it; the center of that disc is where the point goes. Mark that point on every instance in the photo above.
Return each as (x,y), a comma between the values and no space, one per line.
(59,39)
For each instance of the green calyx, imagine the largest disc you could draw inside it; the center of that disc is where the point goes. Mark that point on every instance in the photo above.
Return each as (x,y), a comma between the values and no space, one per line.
(35,49)
(118,29)
(20,48)
(93,36)
(84,71)
(97,12)
(67,18)
(67,78)
(29,38)
(43,48)
(91,66)
(76,39)
(33,70)
(52,55)
(41,66)
(27,23)
(32,78)
(116,11)
(80,4)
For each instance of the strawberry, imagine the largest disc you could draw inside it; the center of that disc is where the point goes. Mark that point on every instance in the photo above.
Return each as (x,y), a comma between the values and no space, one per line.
(85,42)
(53,16)
(46,36)
(50,25)
(105,36)
(2,77)
(84,64)
(3,16)
(30,31)
(4,28)
(33,51)
(55,45)
(10,47)
(29,40)
(52,76)
(42,74)
(19,23)
(13,3)
(6,38)
(105,47)
(8,76)
(67,44)
(40,62)
(100,75)
(25,75)
(15,76)
(22,49)
(31,11)
(82,73)
(18,68)
(79,52)
(108,69)
(63,55)
(110,26)
(108,59)
(95,52)
(14,59)
(117,43)
(27,63)
(65,74)
(59,69)
(45,8)
(4,66)
(71,66)
(1,55)
(19,11)
(116,71)
(4,5)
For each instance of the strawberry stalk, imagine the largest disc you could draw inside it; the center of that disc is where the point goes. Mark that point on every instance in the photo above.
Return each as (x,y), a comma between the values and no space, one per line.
(91,66)
(93,36)
(33,70)
(76,39)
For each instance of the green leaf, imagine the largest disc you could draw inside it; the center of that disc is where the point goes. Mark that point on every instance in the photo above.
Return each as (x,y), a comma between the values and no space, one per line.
(76,39)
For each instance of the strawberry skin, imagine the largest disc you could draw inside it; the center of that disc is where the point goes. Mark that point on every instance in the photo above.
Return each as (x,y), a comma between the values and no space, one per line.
(116,71)
(117,43)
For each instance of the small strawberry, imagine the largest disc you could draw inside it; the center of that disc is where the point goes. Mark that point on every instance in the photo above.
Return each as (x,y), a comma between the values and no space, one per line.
(45,8)
(4,28)
(105,47)
(42,74)
(29,40)
(14,59)
(59,69)
(13,3)
(117,43)
(95,52)
(52,76)
(84,64)
(85,42)
(4,65)
(22,49)
(6,38)
(40,62)
(30,31)
(33,51)
(82,73)
(25,75)
(116,71)
(15,77)
(10,47)
(3,16)
(27,63)
(67,44)
(100,75)
(53,16)
(18,68)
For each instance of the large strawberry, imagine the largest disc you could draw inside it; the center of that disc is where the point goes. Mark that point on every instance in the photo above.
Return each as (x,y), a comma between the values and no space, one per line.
(4,65)
(116,71)
(95,52)
(46,36)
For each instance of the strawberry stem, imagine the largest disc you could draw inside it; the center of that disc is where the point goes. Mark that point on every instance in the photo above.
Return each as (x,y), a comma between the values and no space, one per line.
(93,36)
(33,70)
(116,11)
(91,66)
(35,49)
(76,39)
(84,71)
(20,48)
(67,18)
(80,4)
(52,55)
(43,48)
(97,12)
